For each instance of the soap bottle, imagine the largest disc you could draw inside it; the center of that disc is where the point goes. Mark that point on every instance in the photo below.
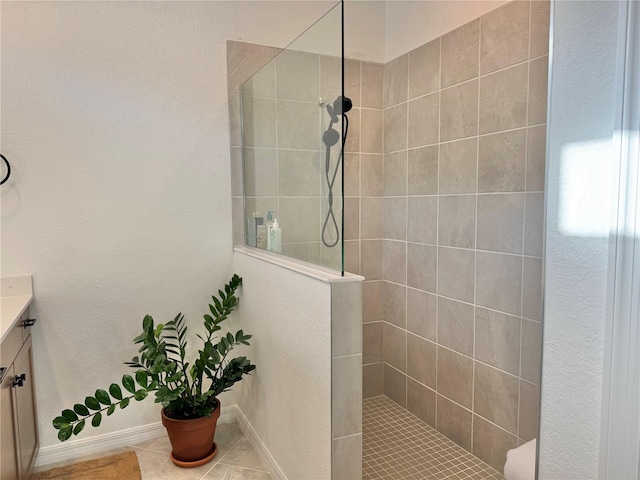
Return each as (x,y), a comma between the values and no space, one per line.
(261,236)
(276,237)
(269,223)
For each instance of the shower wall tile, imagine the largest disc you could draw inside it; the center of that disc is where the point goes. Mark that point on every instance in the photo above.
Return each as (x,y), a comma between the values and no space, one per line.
(394,266)
(457,220)
(299,219)
(529,407)
(424,113)
(346,412)
(352,143)
(262,83)
(395,176)
(501,162)
(538,79)
(395,218)
(504,37)
(371,168)
(454,422)
(503,99)
(298,125)
(371,217)
(496,396)
(540,10)
(395,128)
(455,377)
(237,207)
(497,340)
(460,54)
(351,218)
(459,111)
(396,75)
(532,289)
(372,342)
(533,227)
(455,273)
(371,259)
(260,173)
(500,222)
(421,401)
(458,165)
(536,146)
(394,346)
(395,304)
(371,124)
(499,281)
(237,181)
(372,82)
(421,360)
(235,130)
(372,380)
(351,256)
(424,69)
(259,117)
(352,88)
(421,266)
(372,301)
(422,171)
(491,443)
(298,173)
(298,76)
(531,351)
(455,325)
(395,385)
(421,313)
(422,215)
(352,175)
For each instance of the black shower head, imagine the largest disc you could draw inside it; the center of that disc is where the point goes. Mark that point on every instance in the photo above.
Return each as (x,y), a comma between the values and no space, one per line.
(342,105)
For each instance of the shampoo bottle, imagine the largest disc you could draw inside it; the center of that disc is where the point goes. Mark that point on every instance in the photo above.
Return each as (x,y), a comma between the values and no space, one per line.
(276,237)
(269,224)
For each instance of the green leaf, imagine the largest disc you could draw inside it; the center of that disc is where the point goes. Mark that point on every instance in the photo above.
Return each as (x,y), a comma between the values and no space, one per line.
(111,409)
(140,395)
(142,378)
(92,403)
(103,397)
(65,433)
(70,415)
(60,422)
(81,409)
(78,428)
(128,383)
(115,391)
(97,418)
(124,403)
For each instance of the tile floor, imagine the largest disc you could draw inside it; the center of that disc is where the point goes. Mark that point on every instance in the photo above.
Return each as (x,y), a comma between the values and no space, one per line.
(397,445)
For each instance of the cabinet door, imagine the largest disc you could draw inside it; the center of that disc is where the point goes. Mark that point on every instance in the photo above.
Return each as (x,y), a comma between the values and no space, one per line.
(8,447)
(25,406)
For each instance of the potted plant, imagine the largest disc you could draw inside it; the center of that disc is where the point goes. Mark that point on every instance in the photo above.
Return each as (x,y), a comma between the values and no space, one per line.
(187,391)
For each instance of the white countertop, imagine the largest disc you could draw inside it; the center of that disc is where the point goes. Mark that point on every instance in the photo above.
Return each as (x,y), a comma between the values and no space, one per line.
(15,296)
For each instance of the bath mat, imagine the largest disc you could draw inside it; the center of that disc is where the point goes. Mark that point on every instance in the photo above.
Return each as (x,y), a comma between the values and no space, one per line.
(123,466)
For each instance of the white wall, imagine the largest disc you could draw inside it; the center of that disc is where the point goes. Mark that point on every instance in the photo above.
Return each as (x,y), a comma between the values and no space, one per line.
(580,162)
(114,115)
(409,24)
(287,399)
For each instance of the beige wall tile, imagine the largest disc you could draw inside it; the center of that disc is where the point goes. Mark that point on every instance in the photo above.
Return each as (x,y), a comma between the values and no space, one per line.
(421,401)
(299,219)
(497,340)
(395,174)
(351,175)
(421,313)
(371,168)
(372,380)
(260,173)
(424,117)
(262,83)
(455,377)
(490,443)
(237,180)
(540,10)
(352,143)
(421,360)
(395,128)
(458,161)
(371,259)
(459,60)
(298,74)
(371,122)
(422,214)
(533,227)
(261,205)
(532,289)
(351,218)
(352,81)
(372,301)
(394,267)
(457,220)
(459,111)
(346,393)
(258,122)
(331,79)
(346,318)
(395,385)
(499,281)
(538,80)
(395,304)
(346,458)
(529,410)
(455,273)
(536,152)
(500,222)
(298,173)
(423,171)
(298,125)
(396,77)
(496,397)
(238,221)
(455,325)
(394,346)
(372,80)
(307,252)
(394,224)
(372,342)
(351,256)
(454,422)
(501,162)
(504,37)
(424,69)
(531,351)
(371,218)
(503,99)
(421,266)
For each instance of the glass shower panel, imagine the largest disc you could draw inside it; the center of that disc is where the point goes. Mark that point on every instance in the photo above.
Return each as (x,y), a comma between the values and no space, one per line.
(292,138)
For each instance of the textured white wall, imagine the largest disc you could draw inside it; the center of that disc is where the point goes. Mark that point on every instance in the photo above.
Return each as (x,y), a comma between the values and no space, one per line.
(580,189)
(288,398)
(409,24)
(114,115)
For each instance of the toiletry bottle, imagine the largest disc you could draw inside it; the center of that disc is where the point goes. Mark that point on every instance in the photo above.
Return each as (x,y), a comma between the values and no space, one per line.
(251,230)
(261,237)
(259,223)
(276,237)
(269,223)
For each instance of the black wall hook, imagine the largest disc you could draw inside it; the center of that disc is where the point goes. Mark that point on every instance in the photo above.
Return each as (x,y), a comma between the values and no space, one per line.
(6,177)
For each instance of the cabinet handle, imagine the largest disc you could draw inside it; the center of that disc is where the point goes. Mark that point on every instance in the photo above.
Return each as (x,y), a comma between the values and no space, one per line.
(18,381)
(29,322)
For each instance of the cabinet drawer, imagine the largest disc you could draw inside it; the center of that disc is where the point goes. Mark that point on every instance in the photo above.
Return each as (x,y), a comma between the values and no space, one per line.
(11,345)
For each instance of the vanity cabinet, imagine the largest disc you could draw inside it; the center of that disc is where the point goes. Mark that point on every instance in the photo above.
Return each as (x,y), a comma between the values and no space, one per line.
(18,420)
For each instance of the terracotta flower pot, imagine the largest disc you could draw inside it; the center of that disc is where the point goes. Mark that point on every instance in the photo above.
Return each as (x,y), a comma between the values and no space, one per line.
(192,440)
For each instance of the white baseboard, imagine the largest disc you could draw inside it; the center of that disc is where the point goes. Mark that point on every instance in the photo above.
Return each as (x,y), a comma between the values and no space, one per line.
(110,441)
(258,446)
